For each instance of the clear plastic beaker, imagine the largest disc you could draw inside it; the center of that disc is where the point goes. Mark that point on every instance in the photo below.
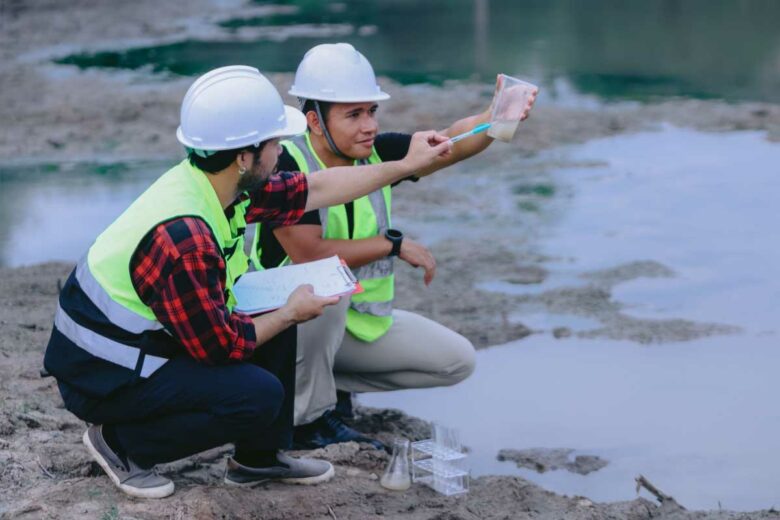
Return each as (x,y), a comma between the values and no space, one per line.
(510,103)
(447,438)
(397,476)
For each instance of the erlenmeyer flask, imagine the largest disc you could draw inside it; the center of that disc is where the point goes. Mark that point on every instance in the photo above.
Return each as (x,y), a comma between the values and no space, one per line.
(396,476)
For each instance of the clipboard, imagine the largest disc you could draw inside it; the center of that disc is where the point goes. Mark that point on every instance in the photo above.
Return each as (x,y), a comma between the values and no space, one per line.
(262,291)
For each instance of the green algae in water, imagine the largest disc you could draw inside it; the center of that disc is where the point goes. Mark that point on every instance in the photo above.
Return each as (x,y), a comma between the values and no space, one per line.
(637,87)
(111,169)
(528,206)
(630,50)
(541,190)
(193,57)
(76,171)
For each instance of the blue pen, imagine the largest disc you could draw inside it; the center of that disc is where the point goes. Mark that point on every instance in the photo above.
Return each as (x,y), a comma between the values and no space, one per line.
(477,129)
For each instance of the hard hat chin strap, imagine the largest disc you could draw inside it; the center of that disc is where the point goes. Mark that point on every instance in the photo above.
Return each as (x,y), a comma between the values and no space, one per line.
(325,131)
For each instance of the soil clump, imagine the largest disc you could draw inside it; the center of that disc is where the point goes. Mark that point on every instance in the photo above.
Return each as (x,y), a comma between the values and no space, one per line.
(551,459)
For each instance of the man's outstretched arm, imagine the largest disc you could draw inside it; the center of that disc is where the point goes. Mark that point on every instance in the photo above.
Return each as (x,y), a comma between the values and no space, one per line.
(342,184)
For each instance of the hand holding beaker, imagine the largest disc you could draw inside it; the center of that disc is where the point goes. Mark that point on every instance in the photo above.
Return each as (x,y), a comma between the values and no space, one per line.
(512,102)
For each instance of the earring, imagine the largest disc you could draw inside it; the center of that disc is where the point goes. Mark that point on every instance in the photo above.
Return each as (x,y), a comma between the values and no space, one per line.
(241,170)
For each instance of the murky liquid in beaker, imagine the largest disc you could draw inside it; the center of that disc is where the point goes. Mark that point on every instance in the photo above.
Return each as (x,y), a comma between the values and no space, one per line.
(396,476)
(511,102)
(503,130)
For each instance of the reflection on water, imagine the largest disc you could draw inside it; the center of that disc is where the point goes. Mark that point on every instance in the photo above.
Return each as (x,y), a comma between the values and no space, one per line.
(638,50)
(697,418)
(53,212)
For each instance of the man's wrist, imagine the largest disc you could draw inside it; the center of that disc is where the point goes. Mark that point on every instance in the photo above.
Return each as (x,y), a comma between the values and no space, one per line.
(395,238)
(405,168)
(287,316)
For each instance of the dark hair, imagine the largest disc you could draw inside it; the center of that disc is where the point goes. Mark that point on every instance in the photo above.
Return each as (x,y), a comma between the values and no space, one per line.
(223,158)
(325,106)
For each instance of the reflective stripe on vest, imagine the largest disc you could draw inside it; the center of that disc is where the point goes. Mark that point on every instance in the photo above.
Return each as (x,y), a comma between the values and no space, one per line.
(104,348)
(370,312)
(377,309)
(104,274)
(116,313)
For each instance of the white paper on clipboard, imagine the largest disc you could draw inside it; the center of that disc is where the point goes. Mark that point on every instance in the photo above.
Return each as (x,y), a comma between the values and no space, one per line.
(261,291)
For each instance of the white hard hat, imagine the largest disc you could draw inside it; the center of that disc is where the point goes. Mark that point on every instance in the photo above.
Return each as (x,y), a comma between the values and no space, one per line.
(232,107)
(336,72)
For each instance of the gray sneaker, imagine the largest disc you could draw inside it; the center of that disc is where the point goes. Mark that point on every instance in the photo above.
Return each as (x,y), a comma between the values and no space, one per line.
(137,482)
(288,469)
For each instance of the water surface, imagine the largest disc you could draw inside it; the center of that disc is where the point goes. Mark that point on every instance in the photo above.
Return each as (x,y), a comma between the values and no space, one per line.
(726,49)
(55,211)
(698,418)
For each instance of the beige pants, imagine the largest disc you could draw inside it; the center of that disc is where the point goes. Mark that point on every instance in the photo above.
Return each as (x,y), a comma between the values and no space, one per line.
(415,353)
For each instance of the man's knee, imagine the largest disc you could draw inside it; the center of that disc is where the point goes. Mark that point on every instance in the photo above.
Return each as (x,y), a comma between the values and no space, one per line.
(460,361)
(321,337)
(255,399)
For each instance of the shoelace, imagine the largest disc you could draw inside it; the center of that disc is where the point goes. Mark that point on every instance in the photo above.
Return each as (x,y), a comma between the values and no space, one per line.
(335,423)
(339,427)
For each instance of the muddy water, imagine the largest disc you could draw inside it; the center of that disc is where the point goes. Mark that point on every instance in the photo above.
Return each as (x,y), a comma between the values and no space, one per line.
(697,417)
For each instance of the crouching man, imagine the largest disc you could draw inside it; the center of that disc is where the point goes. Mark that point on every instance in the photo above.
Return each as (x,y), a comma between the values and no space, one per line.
(146,345)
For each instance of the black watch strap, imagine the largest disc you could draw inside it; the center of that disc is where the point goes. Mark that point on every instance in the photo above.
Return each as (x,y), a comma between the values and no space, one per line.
(396,238)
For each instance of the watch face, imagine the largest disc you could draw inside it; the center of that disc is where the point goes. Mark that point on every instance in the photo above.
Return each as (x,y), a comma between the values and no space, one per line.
(394,234)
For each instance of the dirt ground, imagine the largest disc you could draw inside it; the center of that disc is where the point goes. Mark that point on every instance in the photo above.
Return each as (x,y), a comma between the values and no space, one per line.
(46,473)
(58,114)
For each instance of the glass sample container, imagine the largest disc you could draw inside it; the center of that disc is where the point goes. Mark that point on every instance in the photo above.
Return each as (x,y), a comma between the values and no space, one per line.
(397,476)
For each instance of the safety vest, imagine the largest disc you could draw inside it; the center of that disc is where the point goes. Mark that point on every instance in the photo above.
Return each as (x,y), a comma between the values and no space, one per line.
(104,336)
(370,313)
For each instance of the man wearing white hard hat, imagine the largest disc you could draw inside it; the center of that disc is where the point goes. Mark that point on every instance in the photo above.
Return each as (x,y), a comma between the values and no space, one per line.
(146,345)
(364,344)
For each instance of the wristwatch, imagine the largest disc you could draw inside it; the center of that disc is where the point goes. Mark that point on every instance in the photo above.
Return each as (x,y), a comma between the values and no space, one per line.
(395,237)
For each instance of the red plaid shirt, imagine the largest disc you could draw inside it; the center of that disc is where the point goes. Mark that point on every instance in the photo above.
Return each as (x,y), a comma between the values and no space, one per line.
(179,272)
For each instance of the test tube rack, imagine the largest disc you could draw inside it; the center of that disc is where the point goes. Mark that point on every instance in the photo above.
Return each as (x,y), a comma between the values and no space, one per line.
(439,467)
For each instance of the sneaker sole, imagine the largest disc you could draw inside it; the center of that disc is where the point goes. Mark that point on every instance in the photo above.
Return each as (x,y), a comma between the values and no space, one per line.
(308,481)
(302,481)
(251,483)
(156,492)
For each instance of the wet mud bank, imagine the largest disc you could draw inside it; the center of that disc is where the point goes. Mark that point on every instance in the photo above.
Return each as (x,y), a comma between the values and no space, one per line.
(551,459)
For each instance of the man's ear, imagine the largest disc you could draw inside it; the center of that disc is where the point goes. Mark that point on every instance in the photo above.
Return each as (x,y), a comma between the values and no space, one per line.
(240,161)
(313,123)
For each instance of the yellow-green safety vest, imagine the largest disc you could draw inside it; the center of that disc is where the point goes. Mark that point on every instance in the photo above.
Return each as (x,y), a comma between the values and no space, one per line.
(182,191)
(104,337)
(370,313)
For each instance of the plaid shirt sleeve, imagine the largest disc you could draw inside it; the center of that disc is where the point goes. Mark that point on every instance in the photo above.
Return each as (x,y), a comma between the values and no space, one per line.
(179,272)
(281,202)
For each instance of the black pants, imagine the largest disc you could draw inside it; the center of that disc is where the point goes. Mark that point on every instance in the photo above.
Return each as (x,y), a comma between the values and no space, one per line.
(187,407)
